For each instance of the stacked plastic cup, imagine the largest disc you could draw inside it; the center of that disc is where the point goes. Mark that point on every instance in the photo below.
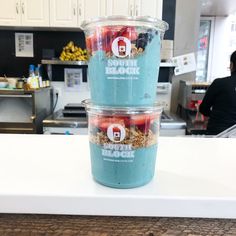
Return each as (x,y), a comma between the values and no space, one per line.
(124,121)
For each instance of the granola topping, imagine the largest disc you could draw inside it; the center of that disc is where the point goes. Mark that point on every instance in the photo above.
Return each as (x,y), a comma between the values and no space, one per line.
(134,139)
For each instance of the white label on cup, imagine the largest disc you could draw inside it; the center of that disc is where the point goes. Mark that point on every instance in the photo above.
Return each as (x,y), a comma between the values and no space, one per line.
(116,133)
(121,47)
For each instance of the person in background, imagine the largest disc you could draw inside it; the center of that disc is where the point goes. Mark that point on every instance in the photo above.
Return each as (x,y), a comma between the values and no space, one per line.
(219,102)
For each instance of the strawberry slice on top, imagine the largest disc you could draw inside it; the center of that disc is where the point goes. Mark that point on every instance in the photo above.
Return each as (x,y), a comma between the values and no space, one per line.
(103,37)
(104,122)
(128,32)
(142,122)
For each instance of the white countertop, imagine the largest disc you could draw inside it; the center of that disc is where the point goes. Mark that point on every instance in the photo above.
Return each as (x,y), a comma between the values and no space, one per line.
(195,177)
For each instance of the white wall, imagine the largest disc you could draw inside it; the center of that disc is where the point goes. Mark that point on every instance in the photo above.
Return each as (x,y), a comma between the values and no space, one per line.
(66,97)
(187,22)
(221,50)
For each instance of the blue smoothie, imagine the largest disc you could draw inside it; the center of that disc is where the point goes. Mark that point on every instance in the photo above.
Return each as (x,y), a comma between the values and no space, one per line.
(126,81)
(123,169)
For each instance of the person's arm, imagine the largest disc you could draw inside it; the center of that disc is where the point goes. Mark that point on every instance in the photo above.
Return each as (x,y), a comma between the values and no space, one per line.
(209,98)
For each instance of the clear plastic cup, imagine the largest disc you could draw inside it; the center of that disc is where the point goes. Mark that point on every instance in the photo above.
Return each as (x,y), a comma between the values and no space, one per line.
(123,144)
(124,59)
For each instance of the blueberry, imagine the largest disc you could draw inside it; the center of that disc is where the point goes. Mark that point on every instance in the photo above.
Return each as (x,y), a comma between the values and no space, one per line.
(151,34)
(150,37)
(141,43)
(152,31)
(143,36)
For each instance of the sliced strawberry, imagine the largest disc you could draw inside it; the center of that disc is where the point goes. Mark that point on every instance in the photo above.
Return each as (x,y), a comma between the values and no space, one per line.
(108,35)
(129,32)
(141,119)
(144,127)
(104,122)
(103,126)
(91,43)
(106,43)
(142,122)
(114,31)
(103,37)
(99,40)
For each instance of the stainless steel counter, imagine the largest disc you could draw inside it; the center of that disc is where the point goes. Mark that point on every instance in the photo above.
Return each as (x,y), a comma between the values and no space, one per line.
(59,124)
(58,120)
(171,121)
(23,111)
(172,125)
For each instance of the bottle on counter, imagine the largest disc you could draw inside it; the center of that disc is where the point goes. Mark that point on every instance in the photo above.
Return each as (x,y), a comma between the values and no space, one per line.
(33,78)
(44,84)
(40,79)
(31,71)
(48,83)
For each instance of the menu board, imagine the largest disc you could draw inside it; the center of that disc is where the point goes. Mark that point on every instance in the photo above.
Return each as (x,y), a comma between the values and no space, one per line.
(24,45)
(73,79)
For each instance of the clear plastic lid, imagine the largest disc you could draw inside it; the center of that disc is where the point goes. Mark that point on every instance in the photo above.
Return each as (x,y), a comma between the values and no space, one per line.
(95,109)
(126,20)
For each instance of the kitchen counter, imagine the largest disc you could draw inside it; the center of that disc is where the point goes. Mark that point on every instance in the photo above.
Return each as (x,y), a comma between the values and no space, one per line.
(57,123)
(13,92)
(51,175)
(172,125)
(58,120)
